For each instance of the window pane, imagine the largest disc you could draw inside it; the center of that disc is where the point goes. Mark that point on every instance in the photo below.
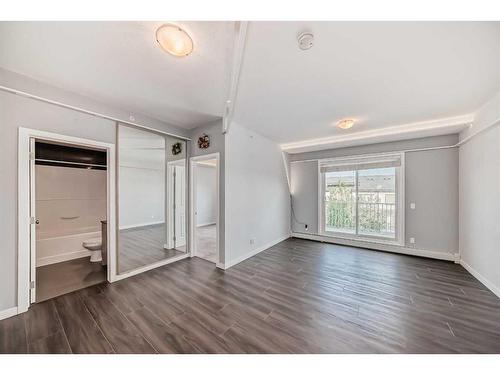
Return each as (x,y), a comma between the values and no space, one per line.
(340,202)
(377,202)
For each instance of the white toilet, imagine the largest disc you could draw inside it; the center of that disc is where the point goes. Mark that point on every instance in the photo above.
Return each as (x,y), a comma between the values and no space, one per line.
(94,245)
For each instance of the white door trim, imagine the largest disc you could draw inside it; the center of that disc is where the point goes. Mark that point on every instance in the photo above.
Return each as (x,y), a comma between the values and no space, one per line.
(192,203)
(23,210)
(170,213)
(33,224)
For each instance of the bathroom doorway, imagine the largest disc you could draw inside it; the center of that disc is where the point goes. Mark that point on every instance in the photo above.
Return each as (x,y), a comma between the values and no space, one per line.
(205,207)
(64,193)
(69,188)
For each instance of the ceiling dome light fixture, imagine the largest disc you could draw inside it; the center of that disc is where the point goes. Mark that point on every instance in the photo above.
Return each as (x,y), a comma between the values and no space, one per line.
(346,123)
(174,40)
(305,40)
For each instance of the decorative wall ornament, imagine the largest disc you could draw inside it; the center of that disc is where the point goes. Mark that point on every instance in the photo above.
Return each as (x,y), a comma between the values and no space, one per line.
(176,148)
(204,141)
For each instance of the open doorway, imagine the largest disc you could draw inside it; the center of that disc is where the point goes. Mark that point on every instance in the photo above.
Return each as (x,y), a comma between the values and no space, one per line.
(68,200)
(205,207)
(64,206)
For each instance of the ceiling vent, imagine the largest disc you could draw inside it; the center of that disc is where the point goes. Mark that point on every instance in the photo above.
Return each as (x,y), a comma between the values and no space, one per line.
(306,40)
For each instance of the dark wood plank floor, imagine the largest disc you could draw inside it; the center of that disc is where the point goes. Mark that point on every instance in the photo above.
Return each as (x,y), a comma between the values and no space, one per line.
(60,278)
(206,242)
(297,297)
(142,246)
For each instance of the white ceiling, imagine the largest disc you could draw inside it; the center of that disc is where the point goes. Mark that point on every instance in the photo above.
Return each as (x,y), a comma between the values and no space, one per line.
(120,63)
(383,74)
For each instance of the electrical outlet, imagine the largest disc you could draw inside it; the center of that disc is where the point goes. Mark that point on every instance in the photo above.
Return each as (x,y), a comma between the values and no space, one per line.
(412,240)
(252,241)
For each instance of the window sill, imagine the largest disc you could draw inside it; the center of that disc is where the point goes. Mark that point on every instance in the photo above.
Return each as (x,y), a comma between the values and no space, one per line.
(355,238)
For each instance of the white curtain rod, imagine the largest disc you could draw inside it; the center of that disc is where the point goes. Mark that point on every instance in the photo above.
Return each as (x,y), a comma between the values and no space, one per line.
(378,153)
(86,111)
(458,144)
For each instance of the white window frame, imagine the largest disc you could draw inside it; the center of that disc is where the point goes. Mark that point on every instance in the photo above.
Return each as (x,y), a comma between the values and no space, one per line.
(400,203)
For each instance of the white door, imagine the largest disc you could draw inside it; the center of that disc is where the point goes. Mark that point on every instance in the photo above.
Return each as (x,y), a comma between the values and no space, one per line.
(34,222)
(180,205)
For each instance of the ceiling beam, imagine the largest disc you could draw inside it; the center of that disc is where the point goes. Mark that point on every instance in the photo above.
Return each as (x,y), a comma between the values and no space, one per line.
(237,62)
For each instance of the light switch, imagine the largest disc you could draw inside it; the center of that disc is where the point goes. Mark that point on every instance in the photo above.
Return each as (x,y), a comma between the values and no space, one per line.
(412,205)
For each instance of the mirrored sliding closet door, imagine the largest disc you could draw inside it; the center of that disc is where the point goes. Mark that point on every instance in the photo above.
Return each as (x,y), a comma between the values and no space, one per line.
(151,198)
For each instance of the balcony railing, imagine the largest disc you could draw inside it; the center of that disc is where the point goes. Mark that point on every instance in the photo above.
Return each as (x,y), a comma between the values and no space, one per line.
(374,218)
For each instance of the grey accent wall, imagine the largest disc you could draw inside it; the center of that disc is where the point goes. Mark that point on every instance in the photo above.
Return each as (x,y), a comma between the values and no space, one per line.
(217,144)
(304,190)
(17,111)
(431,182)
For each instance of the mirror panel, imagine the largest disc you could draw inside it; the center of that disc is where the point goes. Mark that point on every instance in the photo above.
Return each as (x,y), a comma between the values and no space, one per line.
(150,180)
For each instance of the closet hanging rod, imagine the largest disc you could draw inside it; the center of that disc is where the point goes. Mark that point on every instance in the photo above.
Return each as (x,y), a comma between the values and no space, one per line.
(72,163)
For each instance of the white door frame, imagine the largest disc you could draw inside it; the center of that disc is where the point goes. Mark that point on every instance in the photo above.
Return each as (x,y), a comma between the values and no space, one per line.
(33,217)
(192,203)
(170,212)
(23,206)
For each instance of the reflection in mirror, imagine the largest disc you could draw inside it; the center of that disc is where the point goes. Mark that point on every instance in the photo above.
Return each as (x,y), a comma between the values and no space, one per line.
(149,231)
(176,193)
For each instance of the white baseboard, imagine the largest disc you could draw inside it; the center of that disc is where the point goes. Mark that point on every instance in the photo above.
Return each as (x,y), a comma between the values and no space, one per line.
(141,225)
(149,267)
(62,257)
(222,266)
(7,313)
(487,283)
(454,257)
(206,224)
(233,262)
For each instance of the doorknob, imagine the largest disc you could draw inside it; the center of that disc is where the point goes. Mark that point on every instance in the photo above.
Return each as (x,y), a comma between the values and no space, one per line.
(37,221)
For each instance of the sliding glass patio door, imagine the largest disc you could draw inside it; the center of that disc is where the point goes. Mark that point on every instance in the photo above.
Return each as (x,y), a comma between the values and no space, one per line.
(362,198)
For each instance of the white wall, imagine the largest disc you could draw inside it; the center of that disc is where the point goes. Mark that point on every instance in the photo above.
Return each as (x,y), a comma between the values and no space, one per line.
(141,177)
(61,193)
(257,195)
(206,194)
(69,192)
(217,145)
(479,183)
(142,197)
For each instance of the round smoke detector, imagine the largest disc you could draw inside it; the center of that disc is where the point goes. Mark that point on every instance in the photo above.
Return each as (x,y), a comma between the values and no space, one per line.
(305,40)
